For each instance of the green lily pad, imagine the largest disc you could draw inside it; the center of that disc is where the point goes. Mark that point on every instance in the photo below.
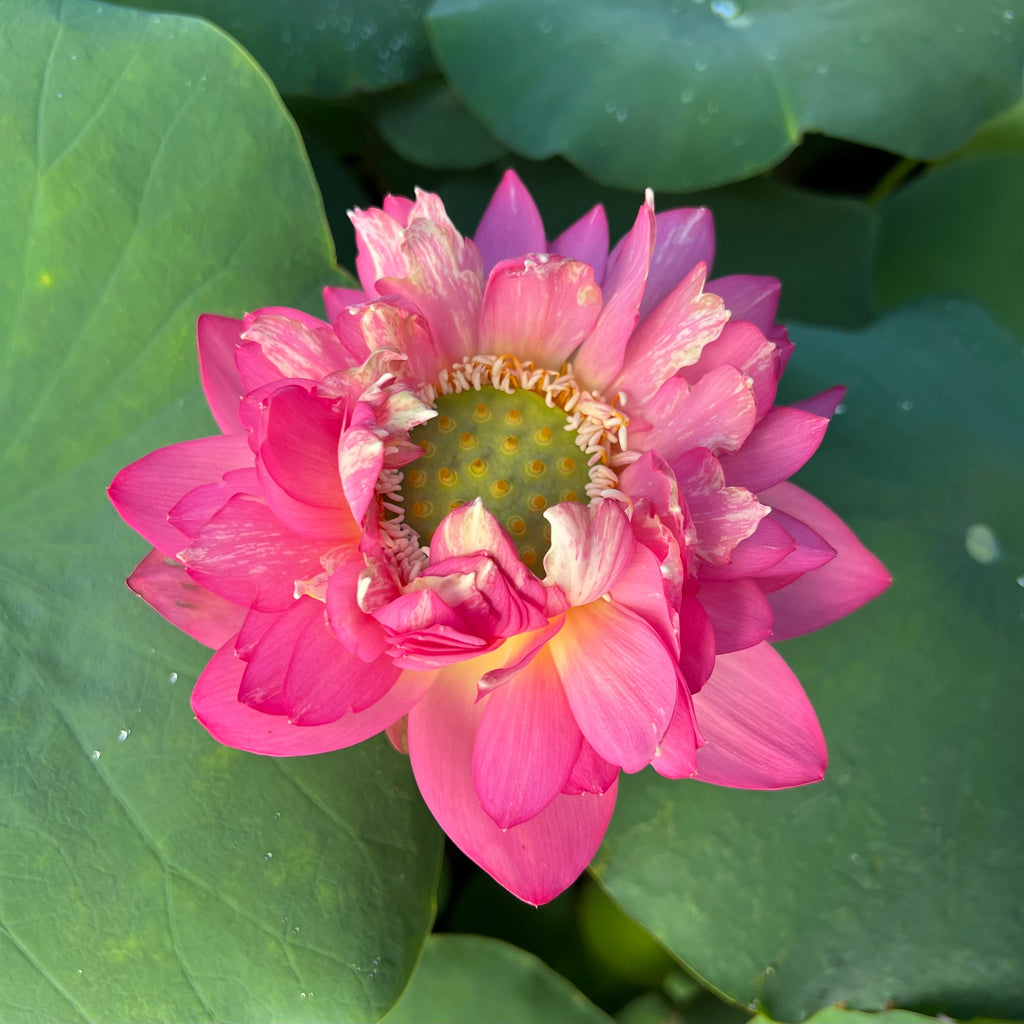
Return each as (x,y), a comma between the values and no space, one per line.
(684,94)
(896,879)
(463,979)
(954,231)
(323,48)
(840,1015)
(150,173)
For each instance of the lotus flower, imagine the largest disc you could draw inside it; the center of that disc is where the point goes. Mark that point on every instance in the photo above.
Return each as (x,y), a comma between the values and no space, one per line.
(524,505)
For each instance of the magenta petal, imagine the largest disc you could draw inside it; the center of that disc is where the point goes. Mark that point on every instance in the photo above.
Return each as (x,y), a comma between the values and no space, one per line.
(743,346)
(766,547)
(511,225)
(262,683)
(526,744)
(539,307)
(162,582)
(379,244)
(218,336)
(739,612)
(620,681)
(535,860)
(777,447)
(586,240)
(677,753)
(840,586)
(810,552)
(297,345)
(146,491)
(750,298)
(673,336)
(600,357)
(356,630)
(591,773)
(216,705)
(760,731)
(696,643)
(683,238)
(336,300)
(324,680)
(299,446)
(591,547)
(823,404)
(717,413)
(244,554)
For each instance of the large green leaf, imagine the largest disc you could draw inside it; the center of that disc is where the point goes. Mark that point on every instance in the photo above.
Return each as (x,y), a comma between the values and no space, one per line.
(897,878)
(325,48)
(683,94)
(149,172)
(954,231)
(463,979)
(841,1015)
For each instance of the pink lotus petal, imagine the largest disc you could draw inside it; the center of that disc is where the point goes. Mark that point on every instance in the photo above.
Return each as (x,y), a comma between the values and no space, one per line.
(683,238)
(162,582)
(519,651)
(717,413)
(535,860)
(641,589)
(777,447)
(739,612)
(620,681)
(526,744)
(823,404)
(759,728)
(358,632)
(810,552)
(591,547)
(839,587)
(262,684)
(677,754)
(591,773)
(586,240)
(297,346)
(750,298)
(765,548)
(145,492)
(332,525)
(539,307)
(201,504)
(600,357)
(744,347)
(299,447)
(379,245)
(324,680)
(697,643)
(722,516)
(336,300)
(218,336)
(216,705)
(360,460)
(444,282)
(511,224)
(244,554)
(673,336)
(379,325)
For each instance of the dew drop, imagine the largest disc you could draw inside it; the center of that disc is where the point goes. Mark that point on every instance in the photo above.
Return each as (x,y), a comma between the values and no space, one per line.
(276,816)
(822,69)
(700,65)
(703,117)
(712,106)
(621,115)
(295,930)
(1020,581)
(609,106)
(172,678)
(725,9)
(1008,15)
(302,995)
(982,544)
(906,405)
(686,96)
(545,26)
(123,735)
(268,856)
(94,756)
(79,971)
(840,408)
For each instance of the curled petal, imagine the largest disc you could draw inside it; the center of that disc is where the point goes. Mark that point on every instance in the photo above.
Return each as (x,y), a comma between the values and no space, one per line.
(764,549)
(296,345)
(751,298)
(677,753)
(840,586)
(696,643)
(526,744)
(535,860)
(338,299)
(743,346)
(539,307)
(591,547)
(511,224)
(591,773)
(759,728)
(739,612)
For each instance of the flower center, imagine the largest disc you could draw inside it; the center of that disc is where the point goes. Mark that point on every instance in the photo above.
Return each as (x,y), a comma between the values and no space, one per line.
(519,438)
(510,450)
